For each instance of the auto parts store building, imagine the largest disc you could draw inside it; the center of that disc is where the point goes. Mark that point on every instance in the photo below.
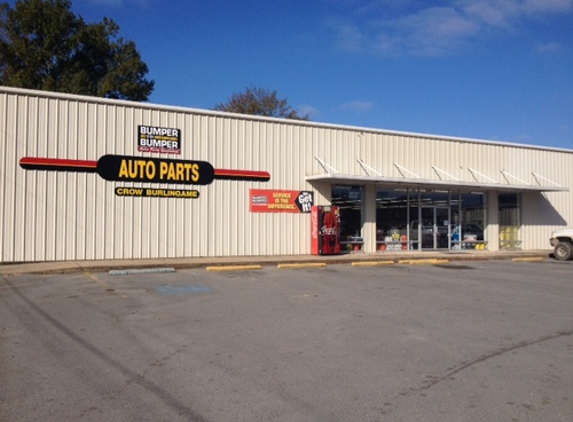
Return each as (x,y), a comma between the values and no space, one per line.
(88,178)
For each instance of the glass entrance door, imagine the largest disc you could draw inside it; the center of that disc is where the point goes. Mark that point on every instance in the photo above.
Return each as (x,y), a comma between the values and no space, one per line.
(434,227)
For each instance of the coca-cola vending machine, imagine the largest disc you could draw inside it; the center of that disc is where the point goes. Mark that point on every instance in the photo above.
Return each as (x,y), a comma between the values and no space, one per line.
(325,230)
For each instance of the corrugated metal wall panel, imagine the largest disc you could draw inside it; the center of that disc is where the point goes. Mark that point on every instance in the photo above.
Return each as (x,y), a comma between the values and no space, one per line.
(7,182)
(57,216)
(541,214)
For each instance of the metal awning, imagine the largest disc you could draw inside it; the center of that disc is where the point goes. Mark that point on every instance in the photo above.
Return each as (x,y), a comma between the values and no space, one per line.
(411,180)
(417,183)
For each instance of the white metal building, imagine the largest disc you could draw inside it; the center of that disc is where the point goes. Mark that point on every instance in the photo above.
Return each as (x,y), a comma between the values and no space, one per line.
(87,178)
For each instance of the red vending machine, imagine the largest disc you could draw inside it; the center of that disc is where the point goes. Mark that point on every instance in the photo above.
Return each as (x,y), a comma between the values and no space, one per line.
(325,230)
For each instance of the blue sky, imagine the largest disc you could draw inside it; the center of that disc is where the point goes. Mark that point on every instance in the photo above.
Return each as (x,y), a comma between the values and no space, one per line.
(488,69)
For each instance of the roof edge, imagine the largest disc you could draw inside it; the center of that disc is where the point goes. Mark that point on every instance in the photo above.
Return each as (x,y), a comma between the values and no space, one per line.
(182,109)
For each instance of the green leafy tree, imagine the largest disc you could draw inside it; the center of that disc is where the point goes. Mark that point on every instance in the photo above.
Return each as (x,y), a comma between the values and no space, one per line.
(44,45)
(260,102)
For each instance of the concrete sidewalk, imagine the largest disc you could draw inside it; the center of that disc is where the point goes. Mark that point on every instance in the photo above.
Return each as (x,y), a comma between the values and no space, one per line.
(61,267)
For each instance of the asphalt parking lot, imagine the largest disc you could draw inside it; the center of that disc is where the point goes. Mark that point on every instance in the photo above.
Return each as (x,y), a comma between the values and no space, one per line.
(461,341)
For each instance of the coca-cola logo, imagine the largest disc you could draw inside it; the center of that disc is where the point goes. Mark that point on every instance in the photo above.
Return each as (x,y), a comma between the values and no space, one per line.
(328,231)
(314,228)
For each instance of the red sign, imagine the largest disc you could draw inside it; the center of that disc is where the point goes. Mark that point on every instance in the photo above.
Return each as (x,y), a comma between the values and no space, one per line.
(281,201)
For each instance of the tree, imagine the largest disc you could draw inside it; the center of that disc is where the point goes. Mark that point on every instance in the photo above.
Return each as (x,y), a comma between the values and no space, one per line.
(44,45)
(260,102)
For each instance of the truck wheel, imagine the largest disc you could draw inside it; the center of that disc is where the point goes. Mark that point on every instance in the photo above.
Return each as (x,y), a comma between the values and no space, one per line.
(563,251)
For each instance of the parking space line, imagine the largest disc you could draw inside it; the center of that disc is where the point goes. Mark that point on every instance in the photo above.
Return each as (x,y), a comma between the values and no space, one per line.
(108,288)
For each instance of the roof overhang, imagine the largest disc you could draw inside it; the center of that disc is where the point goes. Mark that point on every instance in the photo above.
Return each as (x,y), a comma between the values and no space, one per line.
(413,183)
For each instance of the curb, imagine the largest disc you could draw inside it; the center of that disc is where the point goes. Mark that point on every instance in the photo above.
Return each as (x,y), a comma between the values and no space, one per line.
(423,261)
(142,271)
(255,263)
(371,263)
(529,259)
(302,265)
(233,267)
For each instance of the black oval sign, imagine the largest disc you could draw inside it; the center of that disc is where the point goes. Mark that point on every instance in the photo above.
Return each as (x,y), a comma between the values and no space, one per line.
(155,170)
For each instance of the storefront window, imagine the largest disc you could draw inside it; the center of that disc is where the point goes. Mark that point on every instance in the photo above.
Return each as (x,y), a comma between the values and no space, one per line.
(468,231)
(509,221)
(411,219)
(392,215)
(349,199)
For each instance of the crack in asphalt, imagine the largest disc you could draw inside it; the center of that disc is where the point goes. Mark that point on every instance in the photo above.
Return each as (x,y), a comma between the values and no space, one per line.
(388,408)
(517,346)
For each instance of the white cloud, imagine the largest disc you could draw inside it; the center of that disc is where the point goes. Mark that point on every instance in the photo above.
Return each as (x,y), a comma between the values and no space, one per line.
(551,47)
(547,6)
(486,13)
(432,30)
(348,36)
(358,106)
(308,110)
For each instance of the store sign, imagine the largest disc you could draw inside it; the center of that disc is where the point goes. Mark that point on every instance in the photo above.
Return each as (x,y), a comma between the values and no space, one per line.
(123,168)
(287,201)
(157,193)
(153,139)
(158,139)
(155,170)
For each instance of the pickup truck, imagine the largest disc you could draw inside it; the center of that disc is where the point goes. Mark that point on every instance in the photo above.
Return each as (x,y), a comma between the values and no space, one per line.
(562,241)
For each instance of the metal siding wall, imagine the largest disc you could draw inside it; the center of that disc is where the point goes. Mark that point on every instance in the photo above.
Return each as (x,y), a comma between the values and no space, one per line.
(542,213)
(67,216)
(456,158)
(7,181)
